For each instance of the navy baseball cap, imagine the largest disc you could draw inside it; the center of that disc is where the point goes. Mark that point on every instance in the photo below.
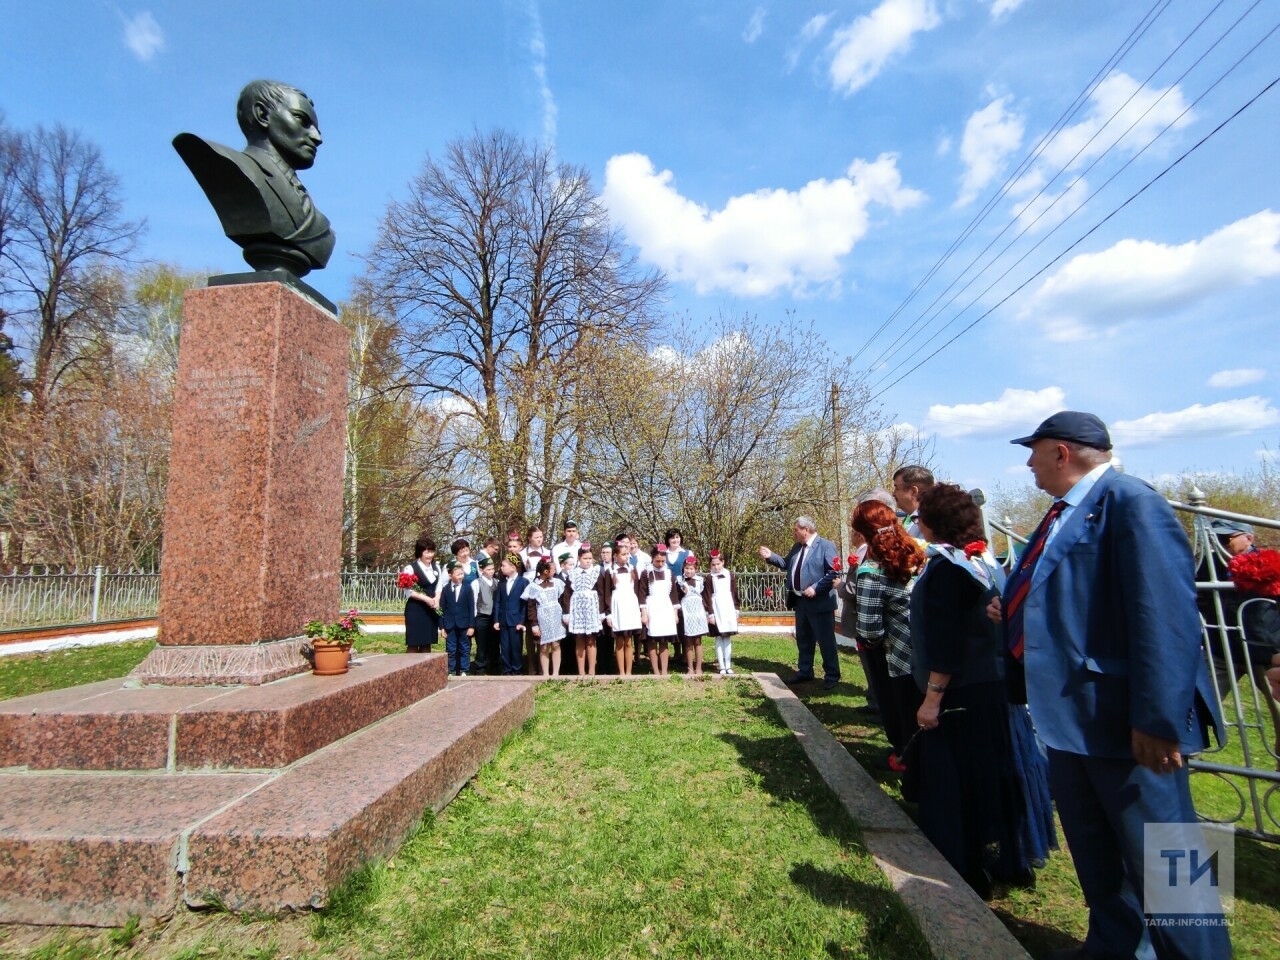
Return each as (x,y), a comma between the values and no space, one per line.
(1228,528)
(1083,428)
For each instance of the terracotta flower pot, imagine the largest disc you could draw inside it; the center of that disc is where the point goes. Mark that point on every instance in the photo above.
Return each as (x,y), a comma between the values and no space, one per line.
(331,659)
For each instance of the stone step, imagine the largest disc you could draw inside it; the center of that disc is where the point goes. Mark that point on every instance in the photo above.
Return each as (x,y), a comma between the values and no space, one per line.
(112,726)
(95,848)
(290,843)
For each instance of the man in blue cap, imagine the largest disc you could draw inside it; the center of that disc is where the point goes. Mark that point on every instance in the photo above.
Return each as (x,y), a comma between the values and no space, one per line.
(1103,643)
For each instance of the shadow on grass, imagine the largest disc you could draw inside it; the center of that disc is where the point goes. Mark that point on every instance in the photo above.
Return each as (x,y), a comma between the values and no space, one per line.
(1038,939)
(781,770)
(889,927)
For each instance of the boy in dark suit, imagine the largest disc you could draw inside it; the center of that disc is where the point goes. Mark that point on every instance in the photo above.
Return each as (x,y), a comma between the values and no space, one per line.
(509,614)
(458,619)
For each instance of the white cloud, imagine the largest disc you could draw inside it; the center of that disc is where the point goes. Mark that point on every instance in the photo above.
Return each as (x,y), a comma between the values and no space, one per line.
(755,26)
(759,242)
(811,30)
(1229,418)
(1000,8)
(1236,378)
(142,35)
(1117,104)
(944,146)
(990,135)
(1014,410)
(538,53)
(1041,211)
(1140,279)
(861,50)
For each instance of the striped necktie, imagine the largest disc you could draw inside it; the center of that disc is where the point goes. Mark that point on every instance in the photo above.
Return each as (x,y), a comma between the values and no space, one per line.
(1020,583)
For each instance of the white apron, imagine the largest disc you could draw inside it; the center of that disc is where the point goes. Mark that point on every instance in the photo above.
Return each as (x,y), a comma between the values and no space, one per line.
(624,609)
(662,612)
(692,612)
(722,604)
(584,604)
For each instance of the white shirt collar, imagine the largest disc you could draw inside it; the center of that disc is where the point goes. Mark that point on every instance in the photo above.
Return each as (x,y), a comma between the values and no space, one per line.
(1075,496)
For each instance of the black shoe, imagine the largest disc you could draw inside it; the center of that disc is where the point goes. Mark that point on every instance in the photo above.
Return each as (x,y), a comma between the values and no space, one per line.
(799,678)
(981,883)
(829,683)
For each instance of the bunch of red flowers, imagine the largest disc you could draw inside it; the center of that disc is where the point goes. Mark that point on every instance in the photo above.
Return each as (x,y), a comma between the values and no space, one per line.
(407,581)
(1256,572)
(974,548)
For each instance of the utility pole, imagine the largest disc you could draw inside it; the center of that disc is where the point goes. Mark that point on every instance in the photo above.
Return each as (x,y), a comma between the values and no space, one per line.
(840,510)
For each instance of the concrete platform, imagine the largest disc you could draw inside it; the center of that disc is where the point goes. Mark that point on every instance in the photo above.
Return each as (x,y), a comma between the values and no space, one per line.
(112,726)
(94,848)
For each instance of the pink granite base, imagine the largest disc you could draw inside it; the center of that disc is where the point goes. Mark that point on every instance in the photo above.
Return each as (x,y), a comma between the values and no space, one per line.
(292,842)
(253,512)
(113,726)
(84,849)
(94,848)
(227,665)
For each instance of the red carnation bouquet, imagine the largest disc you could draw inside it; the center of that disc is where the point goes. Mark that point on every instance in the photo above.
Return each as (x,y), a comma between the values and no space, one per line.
(836,565)
(1256,572)
(974,548)
(407,581)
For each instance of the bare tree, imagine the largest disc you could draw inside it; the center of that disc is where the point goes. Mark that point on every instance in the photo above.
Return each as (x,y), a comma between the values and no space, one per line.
(500,265)
(398,480)
(724,432)
(63,222)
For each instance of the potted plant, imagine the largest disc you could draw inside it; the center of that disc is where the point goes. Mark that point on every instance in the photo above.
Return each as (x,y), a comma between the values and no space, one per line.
(331,643)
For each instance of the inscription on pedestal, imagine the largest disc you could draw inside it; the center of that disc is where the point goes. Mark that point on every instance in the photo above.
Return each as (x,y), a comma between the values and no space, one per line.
(222,395)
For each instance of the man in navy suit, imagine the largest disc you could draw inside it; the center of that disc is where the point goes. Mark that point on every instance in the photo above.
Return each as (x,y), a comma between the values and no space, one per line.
(1102,631)
(811,571)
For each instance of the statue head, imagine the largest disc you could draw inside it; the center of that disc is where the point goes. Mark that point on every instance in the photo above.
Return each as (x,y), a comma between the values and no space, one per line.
(277,117)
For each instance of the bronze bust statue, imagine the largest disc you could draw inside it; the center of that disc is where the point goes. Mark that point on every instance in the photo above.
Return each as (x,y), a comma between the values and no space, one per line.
(256,193)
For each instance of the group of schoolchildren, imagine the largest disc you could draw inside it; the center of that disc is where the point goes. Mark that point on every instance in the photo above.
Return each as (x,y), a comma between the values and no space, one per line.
(523,603)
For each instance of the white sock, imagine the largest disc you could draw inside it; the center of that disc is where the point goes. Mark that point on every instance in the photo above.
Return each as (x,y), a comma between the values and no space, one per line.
(728,654)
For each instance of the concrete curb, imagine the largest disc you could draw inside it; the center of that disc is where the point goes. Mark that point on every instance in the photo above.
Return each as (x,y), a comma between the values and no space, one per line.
(954,920)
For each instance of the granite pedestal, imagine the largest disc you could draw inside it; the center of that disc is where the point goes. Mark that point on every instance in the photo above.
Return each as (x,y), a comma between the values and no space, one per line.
(209,808)
(253,514)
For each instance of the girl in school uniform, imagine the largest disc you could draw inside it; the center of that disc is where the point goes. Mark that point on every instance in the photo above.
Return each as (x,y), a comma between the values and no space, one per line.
(546,617)
(604,641)
(619,594)
(720,599)
(422,601)
(693,613)
(659,603)
(583,606)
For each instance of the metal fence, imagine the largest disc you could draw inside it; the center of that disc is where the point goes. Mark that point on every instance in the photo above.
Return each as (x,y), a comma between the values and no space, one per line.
(60,597)
(1247,762)
(53,597)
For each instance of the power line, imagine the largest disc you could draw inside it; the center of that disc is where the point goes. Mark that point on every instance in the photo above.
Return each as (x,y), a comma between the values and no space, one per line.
(1081,205)
(916,327)
(1250,102)
(1072,109)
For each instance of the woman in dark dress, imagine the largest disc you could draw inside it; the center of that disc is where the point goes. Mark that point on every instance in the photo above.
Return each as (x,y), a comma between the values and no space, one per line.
(976,805)
(422,603)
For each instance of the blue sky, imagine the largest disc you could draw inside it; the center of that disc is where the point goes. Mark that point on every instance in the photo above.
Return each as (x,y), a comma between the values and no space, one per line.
(800,159)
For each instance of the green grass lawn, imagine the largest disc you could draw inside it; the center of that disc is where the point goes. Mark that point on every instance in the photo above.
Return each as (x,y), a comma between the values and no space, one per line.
(674,819)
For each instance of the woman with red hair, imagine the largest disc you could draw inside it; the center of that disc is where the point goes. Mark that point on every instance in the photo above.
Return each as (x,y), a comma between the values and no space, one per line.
(883,592)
